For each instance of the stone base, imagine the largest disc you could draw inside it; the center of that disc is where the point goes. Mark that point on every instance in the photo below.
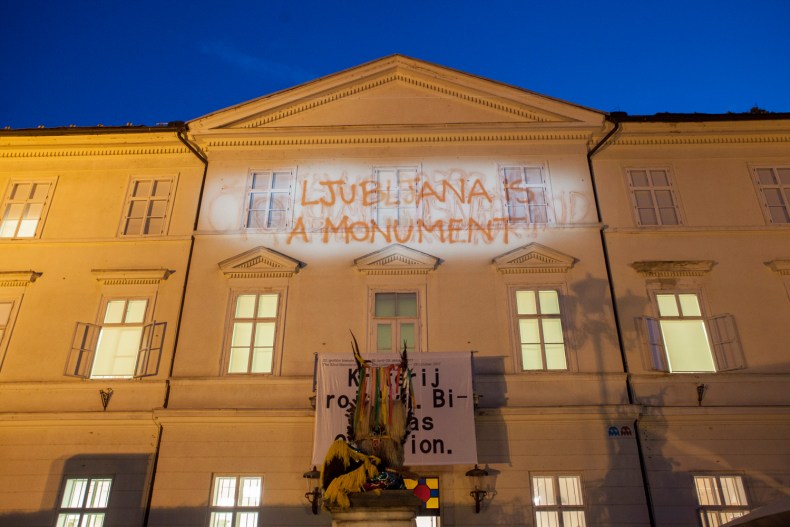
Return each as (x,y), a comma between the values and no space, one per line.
(389,508)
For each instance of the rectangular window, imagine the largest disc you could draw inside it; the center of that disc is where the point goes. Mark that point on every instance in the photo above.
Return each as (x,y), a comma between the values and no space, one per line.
(253,331)
(525,194)
(396,321)
(24,208)
(236,501)
(147,206)
(774,186)
(721,499)
(396,197)
(540,334)
(682,340)
(268,201)
(557,501)
(653,197)
(122,346)
(84,502)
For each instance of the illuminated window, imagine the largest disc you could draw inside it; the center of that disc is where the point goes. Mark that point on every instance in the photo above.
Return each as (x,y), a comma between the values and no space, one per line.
(253,328)
(236,501)
(396,197)
(147,206)
(720,498)
(653,198)
(557,501)
(268,201)
(24,208)
(682,340)
(774,186)
(540,335)
(84,502)
(396,321)
(122,346)
(525,194)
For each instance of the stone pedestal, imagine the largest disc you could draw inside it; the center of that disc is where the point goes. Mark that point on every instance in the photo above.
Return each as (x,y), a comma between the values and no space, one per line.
(389,508)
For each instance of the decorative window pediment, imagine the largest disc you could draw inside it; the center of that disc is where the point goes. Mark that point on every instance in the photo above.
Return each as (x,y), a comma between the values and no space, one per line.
(131,276)
(673,268)
(779,266)
(397,259)
(17,278)
(260,262)
(534,258)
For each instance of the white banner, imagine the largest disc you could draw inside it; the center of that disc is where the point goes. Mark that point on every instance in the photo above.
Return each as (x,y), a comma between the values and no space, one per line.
(443,428)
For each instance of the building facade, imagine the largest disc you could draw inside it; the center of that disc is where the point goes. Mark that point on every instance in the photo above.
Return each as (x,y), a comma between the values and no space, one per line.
(620,281)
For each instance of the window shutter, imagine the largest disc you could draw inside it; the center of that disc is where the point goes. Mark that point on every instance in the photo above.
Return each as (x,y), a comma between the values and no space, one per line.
(726,344)
(150,352)
(653,343)
(83,348)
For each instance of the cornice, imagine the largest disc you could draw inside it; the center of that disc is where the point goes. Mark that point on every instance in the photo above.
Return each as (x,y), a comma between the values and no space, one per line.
(671,269)
(131,276)
(18,278)
(686,138)
(779,266)
(364,138)
(46,151)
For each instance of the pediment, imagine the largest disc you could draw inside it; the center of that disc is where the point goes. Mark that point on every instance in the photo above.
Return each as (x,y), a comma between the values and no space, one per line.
(395,91)
(396,259)
(259,262)
(534,258)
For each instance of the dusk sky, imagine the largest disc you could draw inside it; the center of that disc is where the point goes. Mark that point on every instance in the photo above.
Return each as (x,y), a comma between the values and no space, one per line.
(147,62)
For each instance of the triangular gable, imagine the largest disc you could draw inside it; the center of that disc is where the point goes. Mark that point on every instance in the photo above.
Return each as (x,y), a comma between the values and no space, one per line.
(396,90)
(534,258)
(259,262)
(397,259)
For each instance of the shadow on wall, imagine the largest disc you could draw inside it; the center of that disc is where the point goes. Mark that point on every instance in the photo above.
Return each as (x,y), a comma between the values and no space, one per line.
(131,479)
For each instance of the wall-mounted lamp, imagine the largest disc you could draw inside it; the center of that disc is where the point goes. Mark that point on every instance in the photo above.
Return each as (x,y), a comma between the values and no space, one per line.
(313,493)
(477,474)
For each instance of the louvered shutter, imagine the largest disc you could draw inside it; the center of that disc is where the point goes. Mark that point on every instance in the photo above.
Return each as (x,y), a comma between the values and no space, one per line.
(83,349)
(150,353)
(727,349)
(653,344)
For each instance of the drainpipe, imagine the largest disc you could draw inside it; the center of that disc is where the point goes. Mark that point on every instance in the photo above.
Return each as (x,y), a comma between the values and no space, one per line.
(182,136)
(623,357)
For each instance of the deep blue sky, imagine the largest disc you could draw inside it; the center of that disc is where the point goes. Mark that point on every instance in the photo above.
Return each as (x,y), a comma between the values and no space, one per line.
(147,62)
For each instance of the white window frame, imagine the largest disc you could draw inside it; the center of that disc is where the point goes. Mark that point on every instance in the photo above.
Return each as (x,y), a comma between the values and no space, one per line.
(654,191)
(148,202)
(720,332)
(396,321)
(540,317)
(237,508)
(79,515)
(25,203)
(534,198)
(782,208)
(278,320)
(86,343)
(401,201)
(720,497)
(11,305)
(259,200)
(558,509)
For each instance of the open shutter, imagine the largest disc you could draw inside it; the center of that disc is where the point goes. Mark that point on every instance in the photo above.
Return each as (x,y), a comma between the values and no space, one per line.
(150,352)
(653,343)
(726,344)
(83,349)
